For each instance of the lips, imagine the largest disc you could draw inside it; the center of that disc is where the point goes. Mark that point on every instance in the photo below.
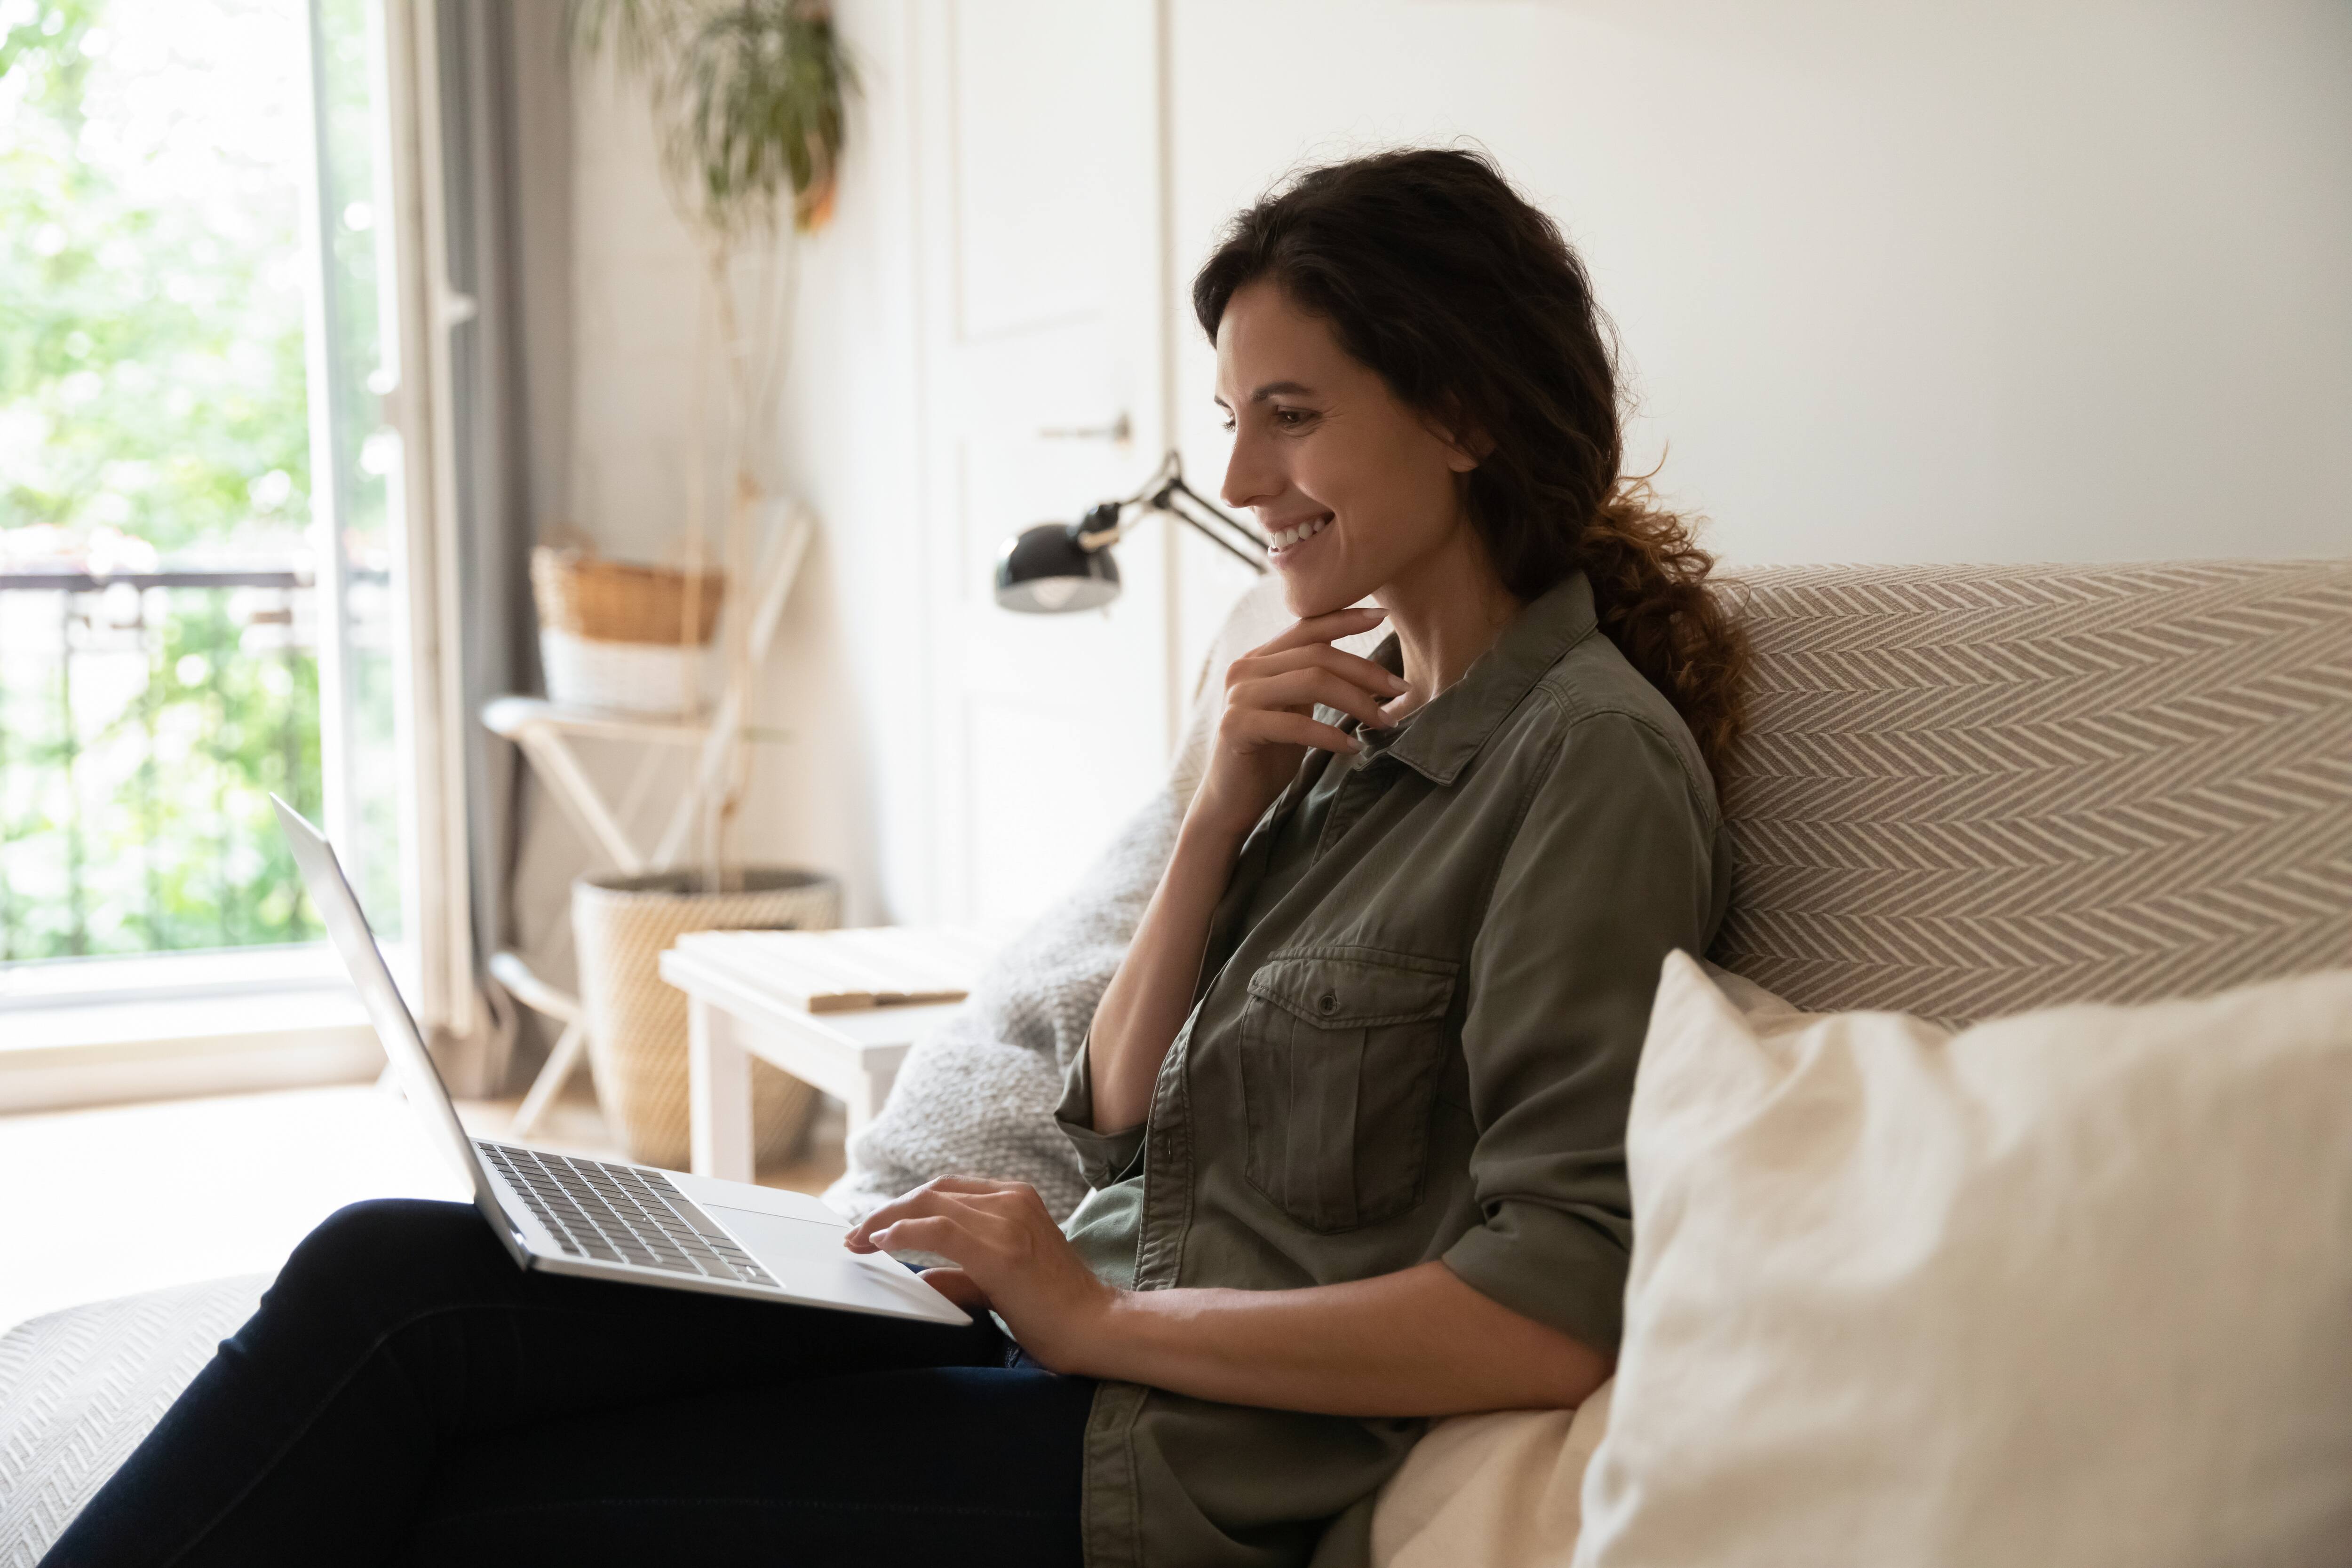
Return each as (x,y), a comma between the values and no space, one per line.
(1283,538)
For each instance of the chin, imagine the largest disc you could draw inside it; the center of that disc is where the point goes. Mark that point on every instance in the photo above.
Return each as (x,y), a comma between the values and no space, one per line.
(1307,595)
(1323,574)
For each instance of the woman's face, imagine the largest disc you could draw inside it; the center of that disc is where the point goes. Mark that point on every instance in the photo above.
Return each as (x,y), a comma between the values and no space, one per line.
(1356,491)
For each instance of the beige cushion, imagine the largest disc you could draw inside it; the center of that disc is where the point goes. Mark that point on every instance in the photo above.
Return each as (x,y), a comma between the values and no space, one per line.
(1500,1490)
(2073,1287)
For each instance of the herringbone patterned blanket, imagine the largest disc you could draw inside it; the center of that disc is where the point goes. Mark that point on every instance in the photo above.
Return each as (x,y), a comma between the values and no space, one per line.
(1974,791)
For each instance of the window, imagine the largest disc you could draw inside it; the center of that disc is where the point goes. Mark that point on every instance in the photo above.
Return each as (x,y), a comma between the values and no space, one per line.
(198,604)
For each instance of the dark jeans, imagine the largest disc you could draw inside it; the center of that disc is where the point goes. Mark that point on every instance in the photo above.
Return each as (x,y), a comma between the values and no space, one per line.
(406,1393)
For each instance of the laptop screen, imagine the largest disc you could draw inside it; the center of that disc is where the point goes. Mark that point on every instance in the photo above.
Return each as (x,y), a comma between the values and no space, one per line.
(347,928)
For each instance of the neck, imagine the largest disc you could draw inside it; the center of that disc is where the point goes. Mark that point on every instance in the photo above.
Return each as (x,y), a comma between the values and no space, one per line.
(1447,612)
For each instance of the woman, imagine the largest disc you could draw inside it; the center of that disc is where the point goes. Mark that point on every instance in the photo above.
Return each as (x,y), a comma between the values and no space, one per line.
(1352,1108)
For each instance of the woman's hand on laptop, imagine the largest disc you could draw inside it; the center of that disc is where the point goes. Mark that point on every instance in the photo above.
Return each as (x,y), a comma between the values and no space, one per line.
(1009,1257)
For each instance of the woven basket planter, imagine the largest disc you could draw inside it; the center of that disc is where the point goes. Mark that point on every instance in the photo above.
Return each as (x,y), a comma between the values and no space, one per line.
(637,1020)
(616,635)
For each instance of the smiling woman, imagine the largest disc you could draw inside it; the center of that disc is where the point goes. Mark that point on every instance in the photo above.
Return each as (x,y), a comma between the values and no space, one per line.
(1353,1106)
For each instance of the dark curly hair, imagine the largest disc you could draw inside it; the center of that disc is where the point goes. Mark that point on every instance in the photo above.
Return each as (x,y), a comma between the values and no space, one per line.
(1469,302)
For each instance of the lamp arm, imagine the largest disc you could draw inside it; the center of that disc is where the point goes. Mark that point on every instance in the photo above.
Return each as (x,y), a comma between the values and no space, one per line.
(1107,524)
(1211,522)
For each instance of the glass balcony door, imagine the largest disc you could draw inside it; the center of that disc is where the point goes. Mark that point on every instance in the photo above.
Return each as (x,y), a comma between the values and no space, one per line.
(200,502)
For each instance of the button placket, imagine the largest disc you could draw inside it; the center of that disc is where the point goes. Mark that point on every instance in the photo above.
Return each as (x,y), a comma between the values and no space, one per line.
(1357,793)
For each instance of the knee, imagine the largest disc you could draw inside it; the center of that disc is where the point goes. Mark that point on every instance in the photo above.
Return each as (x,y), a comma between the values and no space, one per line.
(382,1253)
(357,1234)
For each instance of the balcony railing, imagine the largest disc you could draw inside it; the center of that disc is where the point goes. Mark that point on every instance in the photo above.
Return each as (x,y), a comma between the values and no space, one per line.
(145,718)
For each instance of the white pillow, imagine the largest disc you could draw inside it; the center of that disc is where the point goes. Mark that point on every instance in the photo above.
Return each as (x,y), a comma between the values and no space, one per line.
(2071,1288)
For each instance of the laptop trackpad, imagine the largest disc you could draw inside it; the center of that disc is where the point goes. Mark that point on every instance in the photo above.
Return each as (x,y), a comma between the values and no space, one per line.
(809,1261)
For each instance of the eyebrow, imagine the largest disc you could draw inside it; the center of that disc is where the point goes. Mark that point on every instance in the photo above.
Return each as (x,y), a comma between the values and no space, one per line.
(1273,388)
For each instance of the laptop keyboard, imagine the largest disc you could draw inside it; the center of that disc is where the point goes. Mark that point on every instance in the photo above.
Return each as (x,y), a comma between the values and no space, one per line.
(621,1214)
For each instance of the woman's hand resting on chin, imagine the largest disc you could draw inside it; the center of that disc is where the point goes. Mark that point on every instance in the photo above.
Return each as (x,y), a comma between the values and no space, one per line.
(1268,725)
(1009,1256)
(1269,721)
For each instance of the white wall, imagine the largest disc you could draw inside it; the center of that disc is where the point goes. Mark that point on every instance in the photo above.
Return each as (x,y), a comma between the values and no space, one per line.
(1995,281)
(2007,281)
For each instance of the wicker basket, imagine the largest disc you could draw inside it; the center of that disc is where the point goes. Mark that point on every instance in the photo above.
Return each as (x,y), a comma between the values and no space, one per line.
(637,1020)
(622,636)
(616,601)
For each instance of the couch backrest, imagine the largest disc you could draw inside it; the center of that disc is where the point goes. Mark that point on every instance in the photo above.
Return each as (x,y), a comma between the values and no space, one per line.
(1968,790)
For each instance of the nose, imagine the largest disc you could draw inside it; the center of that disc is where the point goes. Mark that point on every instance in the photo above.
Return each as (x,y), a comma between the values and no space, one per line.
(1252,476)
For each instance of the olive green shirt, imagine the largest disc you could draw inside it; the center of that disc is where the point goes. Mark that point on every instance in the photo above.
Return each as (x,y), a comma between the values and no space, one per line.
(1414,1037)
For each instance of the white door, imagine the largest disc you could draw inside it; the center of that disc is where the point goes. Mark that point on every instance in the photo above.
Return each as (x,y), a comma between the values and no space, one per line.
(1041,287)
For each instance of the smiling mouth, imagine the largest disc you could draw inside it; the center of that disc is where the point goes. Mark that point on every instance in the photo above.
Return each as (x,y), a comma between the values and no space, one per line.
(1288,539)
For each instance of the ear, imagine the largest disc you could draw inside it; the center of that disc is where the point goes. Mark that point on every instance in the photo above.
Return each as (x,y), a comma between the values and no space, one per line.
(1465,448)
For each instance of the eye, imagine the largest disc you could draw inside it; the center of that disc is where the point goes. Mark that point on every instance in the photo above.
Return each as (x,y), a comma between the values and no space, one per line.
(1292,418)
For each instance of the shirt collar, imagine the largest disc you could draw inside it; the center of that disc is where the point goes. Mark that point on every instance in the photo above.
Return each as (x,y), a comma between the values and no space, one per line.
(1447,731)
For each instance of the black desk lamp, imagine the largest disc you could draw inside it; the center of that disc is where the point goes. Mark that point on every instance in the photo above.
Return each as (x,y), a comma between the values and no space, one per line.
(1057,567)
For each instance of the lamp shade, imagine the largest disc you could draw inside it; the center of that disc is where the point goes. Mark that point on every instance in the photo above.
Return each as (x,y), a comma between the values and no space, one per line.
(1046,570)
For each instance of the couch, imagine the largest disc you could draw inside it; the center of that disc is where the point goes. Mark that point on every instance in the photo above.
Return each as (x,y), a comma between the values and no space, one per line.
(1967,791)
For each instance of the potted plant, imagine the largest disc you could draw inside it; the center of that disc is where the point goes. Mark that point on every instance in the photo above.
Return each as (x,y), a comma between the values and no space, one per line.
(748,103)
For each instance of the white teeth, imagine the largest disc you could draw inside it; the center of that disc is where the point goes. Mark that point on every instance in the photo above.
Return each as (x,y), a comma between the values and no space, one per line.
(1303,531)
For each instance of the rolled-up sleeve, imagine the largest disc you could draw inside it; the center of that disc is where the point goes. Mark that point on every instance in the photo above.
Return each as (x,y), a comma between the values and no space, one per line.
(1104,1157)
(1616,863)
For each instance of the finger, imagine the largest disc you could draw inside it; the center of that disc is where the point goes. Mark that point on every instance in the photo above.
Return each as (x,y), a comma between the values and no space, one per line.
(1348,623)
(1349,668)
(928,1198)
(870,1236)
(1264,726)
(958,1287)
(925,1233)
(967,1184)
(1304,689)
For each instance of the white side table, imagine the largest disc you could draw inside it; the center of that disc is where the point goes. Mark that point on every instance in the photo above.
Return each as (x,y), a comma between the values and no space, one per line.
(733,1018)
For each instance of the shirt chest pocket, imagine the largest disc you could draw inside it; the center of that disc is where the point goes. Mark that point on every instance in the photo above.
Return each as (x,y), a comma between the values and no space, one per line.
(1339,1058)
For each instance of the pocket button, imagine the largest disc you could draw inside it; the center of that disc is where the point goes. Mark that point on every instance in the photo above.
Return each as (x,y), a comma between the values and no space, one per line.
(1327,1003)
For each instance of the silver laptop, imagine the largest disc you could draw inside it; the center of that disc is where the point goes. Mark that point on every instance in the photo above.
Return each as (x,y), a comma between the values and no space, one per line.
(600,1217)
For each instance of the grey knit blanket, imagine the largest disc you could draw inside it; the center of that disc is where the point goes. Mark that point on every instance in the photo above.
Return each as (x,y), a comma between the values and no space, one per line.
(977,1097)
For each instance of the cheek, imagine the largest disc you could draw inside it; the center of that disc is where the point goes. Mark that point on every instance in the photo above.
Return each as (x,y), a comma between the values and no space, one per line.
(1382,485)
